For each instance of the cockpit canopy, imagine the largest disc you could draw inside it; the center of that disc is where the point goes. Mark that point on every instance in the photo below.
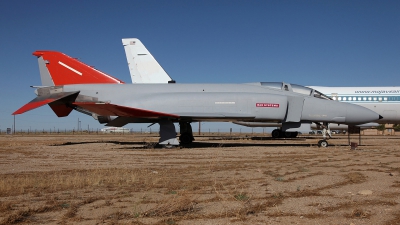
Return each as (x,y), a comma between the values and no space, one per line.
(295,88)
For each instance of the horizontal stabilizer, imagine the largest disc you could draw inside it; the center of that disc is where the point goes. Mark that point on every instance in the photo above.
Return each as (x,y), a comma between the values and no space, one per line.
(43,100)
(106,109)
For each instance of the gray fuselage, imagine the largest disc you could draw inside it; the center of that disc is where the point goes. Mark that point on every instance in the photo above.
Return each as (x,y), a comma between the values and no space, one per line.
(226,102)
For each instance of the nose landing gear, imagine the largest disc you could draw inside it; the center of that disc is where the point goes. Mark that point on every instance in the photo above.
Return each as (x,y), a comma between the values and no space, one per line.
(325,131)
(323,143)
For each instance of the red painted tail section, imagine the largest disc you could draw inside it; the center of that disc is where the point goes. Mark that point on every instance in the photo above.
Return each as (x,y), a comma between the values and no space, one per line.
(66,70)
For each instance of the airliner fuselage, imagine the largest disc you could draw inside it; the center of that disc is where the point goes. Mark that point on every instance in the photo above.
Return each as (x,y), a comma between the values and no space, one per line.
(383,100)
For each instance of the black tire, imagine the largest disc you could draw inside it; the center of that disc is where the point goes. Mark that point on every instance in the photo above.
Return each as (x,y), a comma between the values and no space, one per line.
(287,134)
(276,133)
(186,138)
(322,143)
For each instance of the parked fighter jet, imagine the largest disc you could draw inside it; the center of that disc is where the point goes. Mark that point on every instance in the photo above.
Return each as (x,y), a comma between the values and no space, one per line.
(69,84)
(144,68)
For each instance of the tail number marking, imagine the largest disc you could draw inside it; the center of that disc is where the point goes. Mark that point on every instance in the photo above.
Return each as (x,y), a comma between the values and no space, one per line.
(269,105)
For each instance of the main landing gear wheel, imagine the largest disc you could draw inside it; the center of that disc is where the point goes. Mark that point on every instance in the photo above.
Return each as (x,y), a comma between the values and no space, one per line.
(276,133)
(186,138)
(281,134)
(322,143)
(290,134)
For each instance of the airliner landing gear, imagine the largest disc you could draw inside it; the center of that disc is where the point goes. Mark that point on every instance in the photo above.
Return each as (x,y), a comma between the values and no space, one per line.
(186,133)
(290,134)
(277,133)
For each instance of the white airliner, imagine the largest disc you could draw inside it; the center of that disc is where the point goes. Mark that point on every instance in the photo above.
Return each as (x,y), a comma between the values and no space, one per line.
(144,68)
(383,100)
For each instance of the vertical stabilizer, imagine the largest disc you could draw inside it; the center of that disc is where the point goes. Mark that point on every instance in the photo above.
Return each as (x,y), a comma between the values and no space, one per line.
(44,73)
(143,67)
(57,69)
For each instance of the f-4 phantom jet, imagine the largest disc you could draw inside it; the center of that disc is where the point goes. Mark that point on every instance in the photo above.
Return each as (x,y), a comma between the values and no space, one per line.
(68,84)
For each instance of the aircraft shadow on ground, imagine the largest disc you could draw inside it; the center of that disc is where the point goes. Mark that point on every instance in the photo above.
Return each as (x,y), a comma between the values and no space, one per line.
(151,145)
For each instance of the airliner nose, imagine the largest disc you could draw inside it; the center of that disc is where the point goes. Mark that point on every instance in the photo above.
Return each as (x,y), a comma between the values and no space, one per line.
(380,117)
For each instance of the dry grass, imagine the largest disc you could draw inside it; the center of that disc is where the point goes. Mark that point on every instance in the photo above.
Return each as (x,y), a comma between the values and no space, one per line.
(73,179)
(55,181)
(179,206)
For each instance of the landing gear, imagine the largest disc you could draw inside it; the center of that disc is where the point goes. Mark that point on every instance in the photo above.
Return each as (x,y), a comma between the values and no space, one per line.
(167,134)
(323,143)
(290,134)
(325,131)
(186,133)
(186,138)
(277,133)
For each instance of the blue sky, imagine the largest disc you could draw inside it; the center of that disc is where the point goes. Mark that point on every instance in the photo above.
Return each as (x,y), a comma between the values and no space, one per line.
(326,43)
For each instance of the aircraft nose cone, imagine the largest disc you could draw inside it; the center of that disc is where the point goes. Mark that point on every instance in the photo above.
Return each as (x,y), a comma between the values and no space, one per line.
(358,115)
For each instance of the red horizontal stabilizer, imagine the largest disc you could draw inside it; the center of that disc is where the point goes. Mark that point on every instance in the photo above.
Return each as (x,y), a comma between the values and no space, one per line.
(43,100)
(106,109)
(32,105)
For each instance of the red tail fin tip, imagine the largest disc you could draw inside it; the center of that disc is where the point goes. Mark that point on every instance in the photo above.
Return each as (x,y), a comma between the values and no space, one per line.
(66,70)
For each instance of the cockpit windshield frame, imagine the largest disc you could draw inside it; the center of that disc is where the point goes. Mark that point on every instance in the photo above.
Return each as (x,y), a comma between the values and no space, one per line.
(301,89)
(318,94)
(296,89)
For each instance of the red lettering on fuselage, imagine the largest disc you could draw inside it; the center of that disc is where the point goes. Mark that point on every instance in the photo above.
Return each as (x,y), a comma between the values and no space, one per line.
(270,105)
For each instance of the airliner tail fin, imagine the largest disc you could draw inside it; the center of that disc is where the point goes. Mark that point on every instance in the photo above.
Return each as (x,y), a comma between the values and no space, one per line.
(143,67)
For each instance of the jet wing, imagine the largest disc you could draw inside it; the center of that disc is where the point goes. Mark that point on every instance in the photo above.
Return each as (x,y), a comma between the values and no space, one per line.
(107,109)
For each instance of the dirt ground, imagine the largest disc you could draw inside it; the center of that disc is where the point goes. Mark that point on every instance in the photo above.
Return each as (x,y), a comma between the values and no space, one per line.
(123,179)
